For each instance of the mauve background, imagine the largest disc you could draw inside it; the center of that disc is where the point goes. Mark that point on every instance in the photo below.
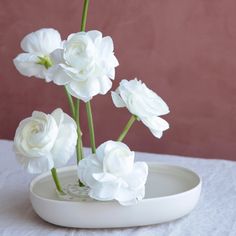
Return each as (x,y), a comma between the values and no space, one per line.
(185,50)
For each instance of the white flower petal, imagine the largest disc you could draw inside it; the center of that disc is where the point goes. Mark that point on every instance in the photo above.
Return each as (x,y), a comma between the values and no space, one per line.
(104,177)
(156,125)
(42,132)
(101,150)
(138,177)
(40,165)
(105,84)
(110,174)
(27,65)
(114,61)
(106,46)
(140,100)
(104,192)
(80,52)
(95,35)
(58,115)
(117,100)
(43,41)
(86,168)
(72,91)
(110,66)
(43,141)
(73,34)
(156,104)
(84,90)
(85,65)
(57,56)
(118,162)
(107,146)
(128,197)
(64,146)
(111,73)
(135,181)
(58,75)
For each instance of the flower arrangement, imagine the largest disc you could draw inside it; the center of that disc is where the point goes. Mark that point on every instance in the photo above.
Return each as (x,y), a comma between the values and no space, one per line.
(84,64)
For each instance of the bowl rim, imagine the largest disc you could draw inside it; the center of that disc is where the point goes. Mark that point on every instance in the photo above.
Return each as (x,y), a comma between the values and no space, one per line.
(197,186)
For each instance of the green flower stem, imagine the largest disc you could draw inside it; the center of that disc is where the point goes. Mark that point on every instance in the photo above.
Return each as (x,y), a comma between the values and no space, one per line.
(90,124)
(88,105)
(75,110)
(127,127)
(75,114)
(71,103)
(56,180)
(84,15)
(79,146)
(75,107)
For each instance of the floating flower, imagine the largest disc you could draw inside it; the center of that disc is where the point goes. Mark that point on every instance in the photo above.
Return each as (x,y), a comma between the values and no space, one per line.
(37,46)
(44,141)
(143,103)
(85,65)
(111,174)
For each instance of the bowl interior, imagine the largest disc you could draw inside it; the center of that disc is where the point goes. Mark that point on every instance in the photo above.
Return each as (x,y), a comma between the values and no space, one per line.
(163,180)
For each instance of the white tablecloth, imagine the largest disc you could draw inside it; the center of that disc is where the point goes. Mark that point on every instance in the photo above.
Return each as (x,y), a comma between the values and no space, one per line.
(215,214)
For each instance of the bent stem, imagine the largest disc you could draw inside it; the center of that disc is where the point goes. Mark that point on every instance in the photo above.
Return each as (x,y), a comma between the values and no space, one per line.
(127,127)
(71,103)
(79,146)
(91,128)
(75,114)
(56,180)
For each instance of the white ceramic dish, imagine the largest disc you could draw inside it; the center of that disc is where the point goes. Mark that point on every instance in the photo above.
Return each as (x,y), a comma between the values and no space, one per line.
(171,192)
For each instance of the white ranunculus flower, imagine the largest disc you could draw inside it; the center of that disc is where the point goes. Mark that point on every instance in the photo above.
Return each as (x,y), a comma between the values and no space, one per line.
(143,103)
(37,47)
(111,174)
(44,141)
(85,65)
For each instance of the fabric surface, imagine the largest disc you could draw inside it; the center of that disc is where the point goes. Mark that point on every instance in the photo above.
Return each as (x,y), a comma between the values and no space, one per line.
(215,214)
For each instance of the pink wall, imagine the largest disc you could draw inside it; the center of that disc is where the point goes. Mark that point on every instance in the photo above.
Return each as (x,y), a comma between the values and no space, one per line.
(185,50)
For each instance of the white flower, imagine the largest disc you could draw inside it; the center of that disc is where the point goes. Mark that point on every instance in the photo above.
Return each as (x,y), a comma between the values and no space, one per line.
(85,65)
(112,174)
(37,46)
(143,103)
(44,141)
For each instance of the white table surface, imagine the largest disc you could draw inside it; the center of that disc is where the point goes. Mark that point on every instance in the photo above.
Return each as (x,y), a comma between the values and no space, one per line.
(215,214)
